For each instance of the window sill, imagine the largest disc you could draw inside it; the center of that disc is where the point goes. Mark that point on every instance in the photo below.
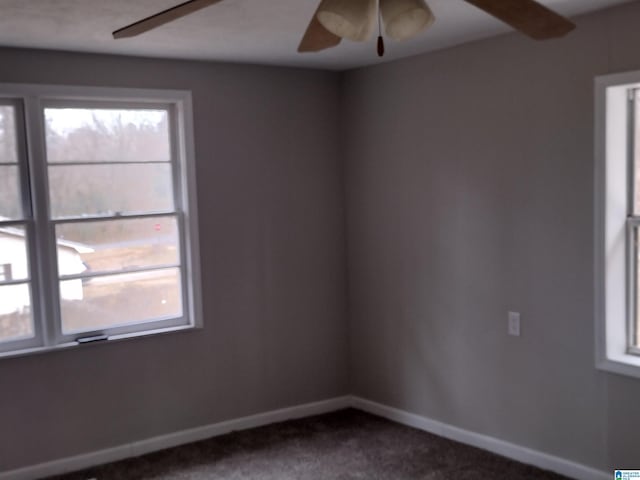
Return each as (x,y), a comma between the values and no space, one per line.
(622,364)
(109,340)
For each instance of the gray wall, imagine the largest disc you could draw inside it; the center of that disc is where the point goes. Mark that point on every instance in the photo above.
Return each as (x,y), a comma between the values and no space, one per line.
(470,193)
(273,269)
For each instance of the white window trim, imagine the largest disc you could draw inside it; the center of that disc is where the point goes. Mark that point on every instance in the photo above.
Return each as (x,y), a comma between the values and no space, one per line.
(35,97)
(612,183)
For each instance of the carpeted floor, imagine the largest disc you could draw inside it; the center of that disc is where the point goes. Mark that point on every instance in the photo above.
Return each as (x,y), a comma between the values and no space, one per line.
(344,445)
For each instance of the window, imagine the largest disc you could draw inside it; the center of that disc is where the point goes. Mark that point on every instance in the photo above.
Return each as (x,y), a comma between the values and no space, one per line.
(98,230)
(618,223)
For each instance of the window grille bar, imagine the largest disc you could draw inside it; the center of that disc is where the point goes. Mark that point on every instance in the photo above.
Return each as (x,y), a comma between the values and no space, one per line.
(113,163)
(112,273)
(110,218)
(13,223)
(8,283)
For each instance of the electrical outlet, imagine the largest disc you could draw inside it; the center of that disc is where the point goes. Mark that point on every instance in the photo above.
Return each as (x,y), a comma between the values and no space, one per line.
(513,327)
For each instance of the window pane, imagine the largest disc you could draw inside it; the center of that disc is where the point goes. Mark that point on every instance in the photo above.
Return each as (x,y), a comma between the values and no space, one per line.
(15,312)
(113,300)
(8,152)
(110,189)
(10,202)
(107,135)
(13,254)
(117,245)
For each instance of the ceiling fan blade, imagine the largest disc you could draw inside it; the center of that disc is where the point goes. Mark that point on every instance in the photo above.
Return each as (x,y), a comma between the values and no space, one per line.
(166,16)
(317,37)
(528,17)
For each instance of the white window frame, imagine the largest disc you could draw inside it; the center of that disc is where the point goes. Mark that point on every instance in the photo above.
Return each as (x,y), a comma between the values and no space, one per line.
(615,297)
(33,99)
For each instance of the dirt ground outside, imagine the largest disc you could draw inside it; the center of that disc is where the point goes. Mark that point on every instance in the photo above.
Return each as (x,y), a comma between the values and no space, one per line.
(115,299)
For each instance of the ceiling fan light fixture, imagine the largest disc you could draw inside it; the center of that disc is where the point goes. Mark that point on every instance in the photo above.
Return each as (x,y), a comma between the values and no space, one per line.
(404,19)
(352,19)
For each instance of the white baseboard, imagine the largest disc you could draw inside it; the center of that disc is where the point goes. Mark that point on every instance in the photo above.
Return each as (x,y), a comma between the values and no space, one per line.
(134,449)
(500,447)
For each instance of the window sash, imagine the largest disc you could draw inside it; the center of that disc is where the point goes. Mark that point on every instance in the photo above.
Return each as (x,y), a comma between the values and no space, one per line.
(143,326)
(633,224)
(27,223)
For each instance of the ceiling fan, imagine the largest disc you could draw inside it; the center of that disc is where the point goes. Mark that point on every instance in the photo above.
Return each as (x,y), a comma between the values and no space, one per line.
(356,19)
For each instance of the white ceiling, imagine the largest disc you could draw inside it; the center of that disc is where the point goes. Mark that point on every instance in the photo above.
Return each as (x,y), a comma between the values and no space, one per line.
(248,31)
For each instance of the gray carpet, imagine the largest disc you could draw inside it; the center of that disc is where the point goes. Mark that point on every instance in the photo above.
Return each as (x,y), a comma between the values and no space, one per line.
(344,445)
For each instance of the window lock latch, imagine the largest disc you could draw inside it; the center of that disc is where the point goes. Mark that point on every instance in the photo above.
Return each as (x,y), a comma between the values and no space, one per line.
(92,339)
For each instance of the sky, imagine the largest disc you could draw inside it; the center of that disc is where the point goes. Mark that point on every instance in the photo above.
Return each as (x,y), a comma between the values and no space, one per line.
(64,120)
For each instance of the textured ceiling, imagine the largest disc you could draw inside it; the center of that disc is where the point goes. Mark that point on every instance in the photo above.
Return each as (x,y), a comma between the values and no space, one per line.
(248,31)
